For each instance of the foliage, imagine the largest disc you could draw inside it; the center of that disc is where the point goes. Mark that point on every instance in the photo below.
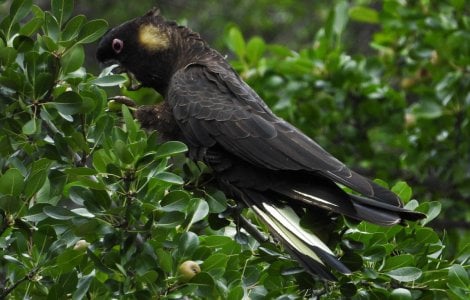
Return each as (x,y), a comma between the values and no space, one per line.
(93,206)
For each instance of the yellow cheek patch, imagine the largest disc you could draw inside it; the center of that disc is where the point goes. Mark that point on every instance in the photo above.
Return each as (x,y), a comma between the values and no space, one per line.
(153,38)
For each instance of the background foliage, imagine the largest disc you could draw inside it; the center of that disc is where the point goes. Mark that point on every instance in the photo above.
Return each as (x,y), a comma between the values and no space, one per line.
(93,206)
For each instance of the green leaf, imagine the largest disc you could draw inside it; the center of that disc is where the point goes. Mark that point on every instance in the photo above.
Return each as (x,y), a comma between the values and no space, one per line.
(236,292)
(403,191)
(31,127)
(170,178)
(83,212)
(175,201)
(31,27)
(395,262)
(109,80)
(68,103)
(205,284)
(341,17)
(458,277)
(375,253)
(165,260)
(37,176)
(67,260)
(405,274)
(425,236)
(62,9)
(131,124)
(201,210)
(122,152)
(100,160)
(19,9)
(187,244)
(89,182)
(97,262)
(11,182)
(171,219)
(7,56)
(58,213)
(412,205)
(73,59)
(83,286)
(12,259)
(35,217)
(431,209)
(170,148)
(364,14)
(44,83)
(215,261)
(51,25)
(47,43)
(92,31)
(72,28)
(236,43)
(255,49)
(217,202)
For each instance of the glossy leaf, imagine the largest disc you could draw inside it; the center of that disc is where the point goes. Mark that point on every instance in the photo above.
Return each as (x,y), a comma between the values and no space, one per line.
(92,31)
(200,210)
(170,148)
(109,80)
(37,176)
(73,60)
(68,103)
(11,182)
(364,14)
(405,274)
(403,191)
(187,244)
(62,9)
(236,42)
(169,177)
(175,201)
(58,213)
(255,49)
(19,9)
(72,28)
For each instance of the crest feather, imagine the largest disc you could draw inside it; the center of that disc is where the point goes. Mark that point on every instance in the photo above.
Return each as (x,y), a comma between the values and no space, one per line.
(154,12)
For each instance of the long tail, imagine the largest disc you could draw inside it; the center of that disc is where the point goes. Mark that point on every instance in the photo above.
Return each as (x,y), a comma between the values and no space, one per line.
(327,195)
(303,245)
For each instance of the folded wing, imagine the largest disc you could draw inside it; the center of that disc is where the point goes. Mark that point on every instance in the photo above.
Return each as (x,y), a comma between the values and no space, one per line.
(219,108)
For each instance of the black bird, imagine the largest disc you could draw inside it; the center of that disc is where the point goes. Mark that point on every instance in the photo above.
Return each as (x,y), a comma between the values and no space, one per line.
(258,159)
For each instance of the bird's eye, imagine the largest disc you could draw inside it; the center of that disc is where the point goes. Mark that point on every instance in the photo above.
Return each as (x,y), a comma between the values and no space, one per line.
(117,45)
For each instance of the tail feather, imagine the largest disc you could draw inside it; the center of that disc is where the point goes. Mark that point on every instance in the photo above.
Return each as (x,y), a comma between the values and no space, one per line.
(332,198)
(403,213)
(307,248)
(275,204)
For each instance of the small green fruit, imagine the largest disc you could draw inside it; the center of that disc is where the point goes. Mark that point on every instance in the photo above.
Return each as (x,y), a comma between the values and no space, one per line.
(188,270)
(81,245)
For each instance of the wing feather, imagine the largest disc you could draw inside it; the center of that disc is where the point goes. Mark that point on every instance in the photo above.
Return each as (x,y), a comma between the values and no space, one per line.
(214,106)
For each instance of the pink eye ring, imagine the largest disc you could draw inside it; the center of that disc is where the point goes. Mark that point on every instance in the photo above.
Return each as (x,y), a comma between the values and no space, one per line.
(117,45)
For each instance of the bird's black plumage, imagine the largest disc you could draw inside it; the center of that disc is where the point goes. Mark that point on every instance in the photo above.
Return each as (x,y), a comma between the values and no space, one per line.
(258,158)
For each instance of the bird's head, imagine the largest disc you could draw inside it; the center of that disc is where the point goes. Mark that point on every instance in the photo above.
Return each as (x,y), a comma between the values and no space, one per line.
(150,48)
